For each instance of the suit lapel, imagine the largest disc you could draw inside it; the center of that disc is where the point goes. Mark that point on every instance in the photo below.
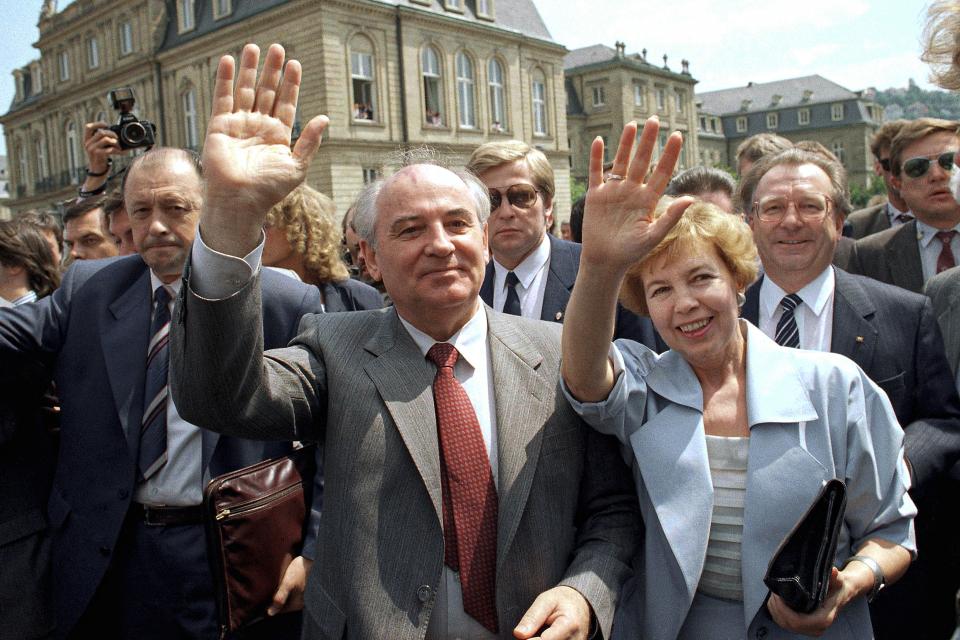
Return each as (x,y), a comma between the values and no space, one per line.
(125,338)
(751,308)
(524,402)
(560,278)
(404,379)
(486,289)
(903,258)
(854,332)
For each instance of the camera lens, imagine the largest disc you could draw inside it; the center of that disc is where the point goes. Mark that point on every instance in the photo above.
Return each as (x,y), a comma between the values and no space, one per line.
(134,133)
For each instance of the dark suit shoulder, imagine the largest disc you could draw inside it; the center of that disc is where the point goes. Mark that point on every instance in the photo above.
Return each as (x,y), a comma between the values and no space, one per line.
(881,293)
(358,295)
(944,285)
(285,302)
(564,249)
(877,241)
(868,221)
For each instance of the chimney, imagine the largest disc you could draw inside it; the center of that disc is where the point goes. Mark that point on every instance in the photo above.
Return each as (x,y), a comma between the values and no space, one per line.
(686,67)
(644,54)
(665,62)
(621,47)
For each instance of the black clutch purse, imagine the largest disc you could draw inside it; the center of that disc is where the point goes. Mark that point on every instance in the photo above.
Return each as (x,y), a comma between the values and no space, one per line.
(799,571)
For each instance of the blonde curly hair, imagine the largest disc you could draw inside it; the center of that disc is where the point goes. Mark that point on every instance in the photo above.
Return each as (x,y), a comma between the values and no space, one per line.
(941,38)
(306,216)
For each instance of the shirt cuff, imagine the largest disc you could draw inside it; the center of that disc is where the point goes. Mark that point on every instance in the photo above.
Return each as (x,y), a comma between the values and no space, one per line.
(216,276)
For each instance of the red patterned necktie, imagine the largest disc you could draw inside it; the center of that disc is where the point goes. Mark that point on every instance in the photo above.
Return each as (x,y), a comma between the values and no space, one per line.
(469,495)
(945,260)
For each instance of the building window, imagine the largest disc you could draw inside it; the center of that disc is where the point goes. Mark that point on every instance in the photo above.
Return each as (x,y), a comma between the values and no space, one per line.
(741,124)
(370,174)
(190,138)
(599,96)
(73,152)
(93,53)
(638,95)
(607,151)
(803,117)
(715,125)
(662,141)
(126,37)
(466,99)
(41,150)
(773,120)
(539,103)
(836,111)
(661,98)
(679,99)
(221,8)
(454,5)
(185,15)
(703,123)
(432,94)
(485,9)
(498,103)
(363,82)
(838,151)
(63,63)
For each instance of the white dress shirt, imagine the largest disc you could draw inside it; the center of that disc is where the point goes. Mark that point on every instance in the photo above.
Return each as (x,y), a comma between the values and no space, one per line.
(179,482)
(893,214)
(532,273)
(930,247)
(814,315)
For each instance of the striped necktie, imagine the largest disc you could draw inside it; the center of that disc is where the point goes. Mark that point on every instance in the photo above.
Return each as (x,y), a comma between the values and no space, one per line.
(153,428)
(788,334)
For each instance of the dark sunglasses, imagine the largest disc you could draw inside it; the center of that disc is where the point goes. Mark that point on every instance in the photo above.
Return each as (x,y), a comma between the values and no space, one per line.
(523,196)
(917,167)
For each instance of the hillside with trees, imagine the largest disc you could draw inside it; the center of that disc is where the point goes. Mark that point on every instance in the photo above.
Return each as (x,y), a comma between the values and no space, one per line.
(915,102)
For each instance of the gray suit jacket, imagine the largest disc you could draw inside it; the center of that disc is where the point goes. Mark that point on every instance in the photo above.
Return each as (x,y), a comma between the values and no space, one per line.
(891,256)
(866,222)
(358,383)
(944,292)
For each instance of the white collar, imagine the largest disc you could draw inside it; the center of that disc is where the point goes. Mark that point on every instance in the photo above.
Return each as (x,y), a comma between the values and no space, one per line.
(816,294)
(470,341)
(528,269)
(926,234)
(173,288)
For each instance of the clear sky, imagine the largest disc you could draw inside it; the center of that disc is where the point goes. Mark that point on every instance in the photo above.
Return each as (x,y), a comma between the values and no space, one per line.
(856,43)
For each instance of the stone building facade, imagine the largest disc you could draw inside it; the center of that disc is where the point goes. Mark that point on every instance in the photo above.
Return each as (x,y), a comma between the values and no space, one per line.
(807,108)
(390,74)
(606,88)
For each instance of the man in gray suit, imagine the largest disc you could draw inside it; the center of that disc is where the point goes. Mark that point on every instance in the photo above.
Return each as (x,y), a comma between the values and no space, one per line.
(944,292)
(463,498)
(894,212)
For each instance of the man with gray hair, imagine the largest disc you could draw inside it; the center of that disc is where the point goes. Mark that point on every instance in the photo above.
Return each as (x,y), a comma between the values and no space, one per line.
(463,497)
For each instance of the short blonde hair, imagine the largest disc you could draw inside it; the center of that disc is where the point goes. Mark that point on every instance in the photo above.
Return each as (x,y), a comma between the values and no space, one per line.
(702,224)
(306,216)
(493,154)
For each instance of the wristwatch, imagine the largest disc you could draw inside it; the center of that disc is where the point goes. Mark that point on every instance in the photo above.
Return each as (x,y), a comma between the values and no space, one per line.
(879,581)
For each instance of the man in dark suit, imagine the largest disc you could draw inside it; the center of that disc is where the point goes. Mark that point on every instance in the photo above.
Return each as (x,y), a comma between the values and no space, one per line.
(892,213)
(921,157)
(462,498)
(129,556)
(944,291)
(532,272)
(892,334)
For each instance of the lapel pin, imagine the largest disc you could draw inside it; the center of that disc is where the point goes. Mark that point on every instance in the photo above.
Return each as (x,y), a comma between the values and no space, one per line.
(859,339)
(558,316)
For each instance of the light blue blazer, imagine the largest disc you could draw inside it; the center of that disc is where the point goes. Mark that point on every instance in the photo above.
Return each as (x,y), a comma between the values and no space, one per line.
(812,416)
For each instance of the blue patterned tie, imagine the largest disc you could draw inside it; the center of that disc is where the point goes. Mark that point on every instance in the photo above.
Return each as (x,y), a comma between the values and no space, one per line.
(788,334)
(512,303)
(153,428)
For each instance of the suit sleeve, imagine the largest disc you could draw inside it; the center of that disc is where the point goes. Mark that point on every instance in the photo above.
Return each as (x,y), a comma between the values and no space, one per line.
(932,440)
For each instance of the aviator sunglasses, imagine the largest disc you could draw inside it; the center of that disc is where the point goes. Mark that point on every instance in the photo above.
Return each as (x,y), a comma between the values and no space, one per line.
(917,167)
(519,195)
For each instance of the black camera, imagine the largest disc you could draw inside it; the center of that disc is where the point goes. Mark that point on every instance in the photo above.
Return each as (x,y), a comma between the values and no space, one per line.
(132,132)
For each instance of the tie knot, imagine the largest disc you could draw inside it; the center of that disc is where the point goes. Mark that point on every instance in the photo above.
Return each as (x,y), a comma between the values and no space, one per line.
(945,236)
(512,279)
(443,354)
(161,296)
(904,218)
(790,302)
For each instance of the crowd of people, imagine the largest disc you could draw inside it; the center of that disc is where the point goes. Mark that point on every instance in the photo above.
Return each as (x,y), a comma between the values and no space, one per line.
(606,435)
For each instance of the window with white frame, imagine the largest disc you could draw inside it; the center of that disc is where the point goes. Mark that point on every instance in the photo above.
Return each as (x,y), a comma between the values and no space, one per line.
(498,103)
(599,96)
(432,87)
(221,8)
(637,95)
(539,103)
(73,152)
(41,155)
(661,98)
(466,98)
(185,15)
(370,174)
(773,120)
(741,124)
(679,100)
(837,149)
(703,123)
(485,8)
(126,37)
(93,53)
(63,64)
(363,82)
(836,111)
(803,117)
(456,5)
(190,137)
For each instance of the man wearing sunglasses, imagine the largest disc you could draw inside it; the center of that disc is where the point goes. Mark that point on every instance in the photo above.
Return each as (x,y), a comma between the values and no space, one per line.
(894,212)
(532,272)
(921,157)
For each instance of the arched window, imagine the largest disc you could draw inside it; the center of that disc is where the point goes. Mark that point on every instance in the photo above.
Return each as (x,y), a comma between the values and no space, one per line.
(498,103)
(190,139)
(432,87)
(539,103)
(363,79)
(73,152)
(466,101)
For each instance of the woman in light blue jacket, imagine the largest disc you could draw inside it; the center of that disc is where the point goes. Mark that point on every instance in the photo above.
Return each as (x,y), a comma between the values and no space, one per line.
(730,436)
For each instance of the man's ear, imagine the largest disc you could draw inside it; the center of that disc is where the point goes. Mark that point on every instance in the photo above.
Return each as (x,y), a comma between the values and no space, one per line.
(896,181)
(548,211)
(369,256)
